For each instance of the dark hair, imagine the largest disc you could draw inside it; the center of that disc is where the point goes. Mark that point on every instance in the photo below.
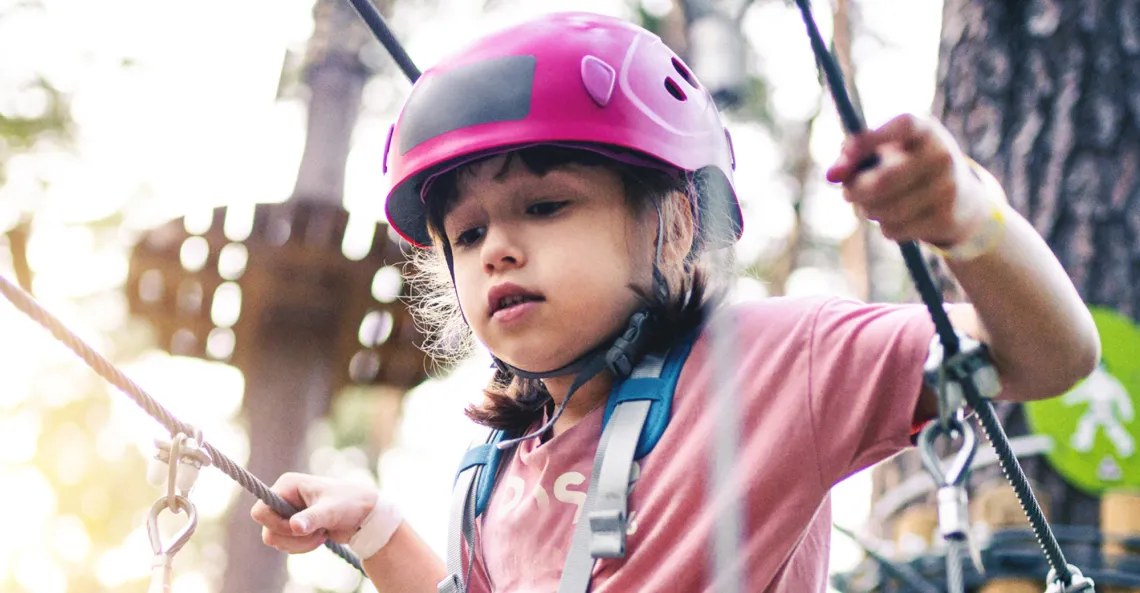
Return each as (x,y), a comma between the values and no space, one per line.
(513,403)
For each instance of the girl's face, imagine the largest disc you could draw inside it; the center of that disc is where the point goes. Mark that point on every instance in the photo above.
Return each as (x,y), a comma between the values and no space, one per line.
(543,264)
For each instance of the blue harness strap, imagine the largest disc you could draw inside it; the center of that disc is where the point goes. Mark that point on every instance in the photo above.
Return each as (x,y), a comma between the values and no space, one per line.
(658,390)
(491,456)
(640,405)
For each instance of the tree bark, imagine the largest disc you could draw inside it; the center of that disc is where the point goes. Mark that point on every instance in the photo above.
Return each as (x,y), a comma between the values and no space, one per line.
(1046,95)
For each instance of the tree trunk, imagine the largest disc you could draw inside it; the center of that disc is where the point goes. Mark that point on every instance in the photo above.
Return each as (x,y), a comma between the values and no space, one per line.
(291,377)
(1046,95)
(289,386)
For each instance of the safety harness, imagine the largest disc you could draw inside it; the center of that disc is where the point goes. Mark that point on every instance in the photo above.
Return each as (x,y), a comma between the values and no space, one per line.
(635,417)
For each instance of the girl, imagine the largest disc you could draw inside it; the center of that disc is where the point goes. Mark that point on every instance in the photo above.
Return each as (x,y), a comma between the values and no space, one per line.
(570,180)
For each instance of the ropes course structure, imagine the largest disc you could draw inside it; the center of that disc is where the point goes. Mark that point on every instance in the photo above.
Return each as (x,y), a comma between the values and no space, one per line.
(961,376)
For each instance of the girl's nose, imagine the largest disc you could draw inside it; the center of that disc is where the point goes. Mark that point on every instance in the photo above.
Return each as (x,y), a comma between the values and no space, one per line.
(501,250)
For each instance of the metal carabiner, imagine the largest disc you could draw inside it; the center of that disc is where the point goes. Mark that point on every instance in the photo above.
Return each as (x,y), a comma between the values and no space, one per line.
(160,577)
(184,457)
(958,468)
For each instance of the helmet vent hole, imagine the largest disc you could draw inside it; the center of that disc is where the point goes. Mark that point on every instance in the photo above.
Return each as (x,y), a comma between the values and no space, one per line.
(674,89)
(679,66)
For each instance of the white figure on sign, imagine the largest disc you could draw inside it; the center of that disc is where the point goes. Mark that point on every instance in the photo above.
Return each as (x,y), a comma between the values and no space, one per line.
(1109,406)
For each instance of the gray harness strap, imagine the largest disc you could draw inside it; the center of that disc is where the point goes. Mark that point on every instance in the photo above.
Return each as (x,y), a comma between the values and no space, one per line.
(601,528)
(461,528)
(457,531)
(602,522)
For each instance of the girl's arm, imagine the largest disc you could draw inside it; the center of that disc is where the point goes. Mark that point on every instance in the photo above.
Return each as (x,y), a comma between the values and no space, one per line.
(1041,335)
(405,564)
(336,510)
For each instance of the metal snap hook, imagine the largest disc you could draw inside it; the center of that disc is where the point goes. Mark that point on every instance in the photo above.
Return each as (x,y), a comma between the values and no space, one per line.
(181,537)
(955,473)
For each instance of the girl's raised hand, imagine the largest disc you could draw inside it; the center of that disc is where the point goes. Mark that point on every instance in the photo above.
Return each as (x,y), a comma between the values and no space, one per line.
(922,187)
(330,509)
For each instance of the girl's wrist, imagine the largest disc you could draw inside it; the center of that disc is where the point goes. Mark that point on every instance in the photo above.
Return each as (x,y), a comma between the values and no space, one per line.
(376,529)
(986,234)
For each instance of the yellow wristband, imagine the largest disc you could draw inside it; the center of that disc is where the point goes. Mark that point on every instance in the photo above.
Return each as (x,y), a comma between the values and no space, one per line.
(984,240)
(987,236)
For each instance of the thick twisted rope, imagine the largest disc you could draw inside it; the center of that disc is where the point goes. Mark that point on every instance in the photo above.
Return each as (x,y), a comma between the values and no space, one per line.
(103,367)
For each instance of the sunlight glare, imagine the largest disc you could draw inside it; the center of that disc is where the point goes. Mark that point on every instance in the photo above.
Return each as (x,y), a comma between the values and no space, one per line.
(69,539)
(238,223)
(359,234)
(30,499)
(37,572)
(73,461)
(19,434)
(190,582)
(325,572)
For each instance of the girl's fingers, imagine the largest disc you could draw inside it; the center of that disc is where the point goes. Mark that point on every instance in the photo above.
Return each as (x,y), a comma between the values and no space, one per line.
(269,518)
(299,490)
(917,218)
(905,229)
(901,176)
(907,132)
(294,544)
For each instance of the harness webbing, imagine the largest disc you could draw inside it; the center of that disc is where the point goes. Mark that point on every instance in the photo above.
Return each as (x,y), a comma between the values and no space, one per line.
(601,528)
(630,431)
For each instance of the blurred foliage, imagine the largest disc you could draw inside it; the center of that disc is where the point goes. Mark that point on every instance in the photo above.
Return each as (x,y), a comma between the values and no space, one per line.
(48,118)
(751,101)
(53,122)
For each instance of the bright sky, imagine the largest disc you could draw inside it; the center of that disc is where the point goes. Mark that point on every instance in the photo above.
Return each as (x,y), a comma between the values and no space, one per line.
(194,123)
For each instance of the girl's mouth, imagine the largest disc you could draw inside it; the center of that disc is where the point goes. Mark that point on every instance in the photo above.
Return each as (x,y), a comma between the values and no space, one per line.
(509,301)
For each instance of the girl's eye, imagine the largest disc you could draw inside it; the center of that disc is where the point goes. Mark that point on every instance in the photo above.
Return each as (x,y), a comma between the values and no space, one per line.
(545,208)
(469,237)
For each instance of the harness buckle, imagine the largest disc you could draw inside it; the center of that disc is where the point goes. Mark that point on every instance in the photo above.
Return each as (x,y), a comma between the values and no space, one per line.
(607,533)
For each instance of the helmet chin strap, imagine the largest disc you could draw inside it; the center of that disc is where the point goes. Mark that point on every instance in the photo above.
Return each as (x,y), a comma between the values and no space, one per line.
(619,356)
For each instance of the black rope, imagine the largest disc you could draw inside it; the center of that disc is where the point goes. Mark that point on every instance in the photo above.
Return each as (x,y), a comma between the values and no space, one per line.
(375,21)
(28,305)
(1011,468)
(853,122)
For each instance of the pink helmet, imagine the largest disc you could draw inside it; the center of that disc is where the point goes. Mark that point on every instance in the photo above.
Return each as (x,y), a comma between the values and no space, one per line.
(572,79)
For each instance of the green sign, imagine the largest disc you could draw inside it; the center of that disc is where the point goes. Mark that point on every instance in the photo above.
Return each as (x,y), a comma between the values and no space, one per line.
(1094,427)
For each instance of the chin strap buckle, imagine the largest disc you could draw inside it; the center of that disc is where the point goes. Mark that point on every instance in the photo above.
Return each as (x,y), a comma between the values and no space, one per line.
(630,346)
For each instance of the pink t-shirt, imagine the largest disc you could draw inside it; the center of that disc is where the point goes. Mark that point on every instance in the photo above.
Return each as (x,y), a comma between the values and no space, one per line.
(826,387)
